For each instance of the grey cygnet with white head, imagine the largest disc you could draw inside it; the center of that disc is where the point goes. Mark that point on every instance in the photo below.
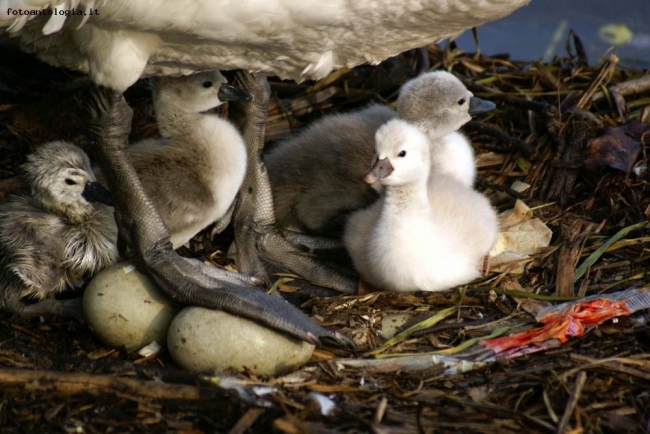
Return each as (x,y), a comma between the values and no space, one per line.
(439,104)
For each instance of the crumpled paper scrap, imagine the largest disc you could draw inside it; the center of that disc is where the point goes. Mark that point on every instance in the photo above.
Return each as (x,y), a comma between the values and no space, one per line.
(520,235)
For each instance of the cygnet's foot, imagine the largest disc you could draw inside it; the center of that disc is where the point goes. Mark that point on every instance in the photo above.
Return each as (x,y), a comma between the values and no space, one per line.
(257,236)
(64,308)
(485,266)
(145,237)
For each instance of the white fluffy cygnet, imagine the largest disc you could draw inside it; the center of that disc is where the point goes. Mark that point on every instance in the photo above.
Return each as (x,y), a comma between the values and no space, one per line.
(422,234)
(193,173)
(456,158)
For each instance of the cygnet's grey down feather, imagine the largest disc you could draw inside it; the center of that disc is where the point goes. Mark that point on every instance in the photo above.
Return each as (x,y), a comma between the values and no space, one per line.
(317,176)
(193,173)
(54,238)
(439,104)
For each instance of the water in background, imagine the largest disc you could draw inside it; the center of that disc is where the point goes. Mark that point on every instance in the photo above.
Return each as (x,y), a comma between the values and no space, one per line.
(539,30)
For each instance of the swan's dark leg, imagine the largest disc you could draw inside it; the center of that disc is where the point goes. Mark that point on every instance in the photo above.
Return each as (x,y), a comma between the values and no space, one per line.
(144,235)
(313,242)
(256,233)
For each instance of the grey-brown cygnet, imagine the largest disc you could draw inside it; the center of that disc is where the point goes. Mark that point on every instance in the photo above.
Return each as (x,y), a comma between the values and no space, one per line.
(426,233)
(193,172)
(317,175)
(56,237)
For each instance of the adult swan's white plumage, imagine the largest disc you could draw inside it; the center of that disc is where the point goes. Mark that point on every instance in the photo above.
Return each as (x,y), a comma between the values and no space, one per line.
(294,39)
(118,41)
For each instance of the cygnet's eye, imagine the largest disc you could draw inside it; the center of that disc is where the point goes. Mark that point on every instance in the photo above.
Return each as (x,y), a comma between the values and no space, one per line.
(402,154)
(70,181)
(207,84)
(461,101)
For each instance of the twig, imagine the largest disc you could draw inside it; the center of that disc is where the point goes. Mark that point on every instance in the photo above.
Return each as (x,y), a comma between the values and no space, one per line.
(494,93)
(573,401)
(247,420)
(519,144)
(73,383)
(381,410)
(631,87)
(612,363)
(575,237)
(549,408)
(604,73)
(526,294)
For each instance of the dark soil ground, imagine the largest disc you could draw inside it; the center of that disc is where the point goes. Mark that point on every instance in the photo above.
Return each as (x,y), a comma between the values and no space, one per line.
(577,133)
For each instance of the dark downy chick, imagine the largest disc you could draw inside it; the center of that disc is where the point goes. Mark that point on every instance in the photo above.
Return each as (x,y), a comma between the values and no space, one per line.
(56,237)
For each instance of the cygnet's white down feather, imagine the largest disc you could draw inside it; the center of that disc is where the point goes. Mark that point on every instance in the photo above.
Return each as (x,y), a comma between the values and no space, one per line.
(297,39)
(456,158)
(427,234)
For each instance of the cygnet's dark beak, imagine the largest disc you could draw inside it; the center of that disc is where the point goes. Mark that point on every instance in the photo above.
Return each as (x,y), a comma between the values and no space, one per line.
(232,93)
(95,192)
(380,170)
(478,105)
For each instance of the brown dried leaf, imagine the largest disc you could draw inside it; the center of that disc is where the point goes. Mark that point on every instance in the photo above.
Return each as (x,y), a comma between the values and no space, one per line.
(618,147)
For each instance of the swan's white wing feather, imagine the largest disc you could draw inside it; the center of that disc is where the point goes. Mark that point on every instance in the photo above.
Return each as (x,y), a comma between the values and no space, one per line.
(295,39)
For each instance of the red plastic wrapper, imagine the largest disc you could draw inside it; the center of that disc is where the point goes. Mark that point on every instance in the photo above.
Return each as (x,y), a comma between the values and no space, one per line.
(571,319)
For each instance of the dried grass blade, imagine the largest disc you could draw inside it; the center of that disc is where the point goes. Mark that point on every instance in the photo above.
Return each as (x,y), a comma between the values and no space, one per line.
(454,350)
(591,260)
(431,321)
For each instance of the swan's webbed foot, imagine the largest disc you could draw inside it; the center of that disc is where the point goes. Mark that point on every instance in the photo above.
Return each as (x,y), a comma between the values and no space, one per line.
(145,237)
(256,233)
